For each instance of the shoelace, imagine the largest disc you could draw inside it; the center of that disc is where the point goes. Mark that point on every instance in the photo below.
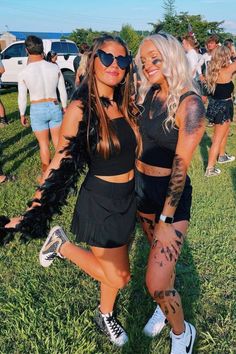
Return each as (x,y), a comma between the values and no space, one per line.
(114,327)
(51,256)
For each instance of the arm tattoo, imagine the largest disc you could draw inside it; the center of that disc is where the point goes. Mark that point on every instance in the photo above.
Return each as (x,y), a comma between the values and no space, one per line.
(177,181)
(195,115)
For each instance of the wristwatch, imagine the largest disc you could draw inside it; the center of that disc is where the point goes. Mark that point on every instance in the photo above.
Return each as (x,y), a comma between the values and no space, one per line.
(167,219)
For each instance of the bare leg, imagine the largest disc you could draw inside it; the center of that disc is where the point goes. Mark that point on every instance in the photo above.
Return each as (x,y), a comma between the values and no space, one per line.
(224,142)
(55,135)
(110,266)
(2,110)
(220,130)
(43,140)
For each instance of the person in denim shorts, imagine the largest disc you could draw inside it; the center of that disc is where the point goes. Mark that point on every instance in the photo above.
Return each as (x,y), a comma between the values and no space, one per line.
(42,79)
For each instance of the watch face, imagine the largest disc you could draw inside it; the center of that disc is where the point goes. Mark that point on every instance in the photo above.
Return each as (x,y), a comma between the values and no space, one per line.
(167,219)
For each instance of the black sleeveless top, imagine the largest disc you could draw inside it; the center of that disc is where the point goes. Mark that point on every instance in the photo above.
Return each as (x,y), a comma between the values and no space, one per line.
(120,161)
(159,144)
(223,91)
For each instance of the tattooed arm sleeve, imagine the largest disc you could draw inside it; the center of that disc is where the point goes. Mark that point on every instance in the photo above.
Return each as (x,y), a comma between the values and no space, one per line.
(190,118)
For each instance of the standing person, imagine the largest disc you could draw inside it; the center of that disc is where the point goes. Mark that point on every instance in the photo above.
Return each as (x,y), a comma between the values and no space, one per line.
(190,46)
(84,48)
(172,125)
(42,80)
(220,110)
(3,118)
(211,44)
(107,141)
(51,57)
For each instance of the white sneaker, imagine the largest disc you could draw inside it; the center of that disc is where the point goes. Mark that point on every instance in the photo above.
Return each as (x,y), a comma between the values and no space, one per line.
(183,344)
(51,246)
(108,324)
(156,323)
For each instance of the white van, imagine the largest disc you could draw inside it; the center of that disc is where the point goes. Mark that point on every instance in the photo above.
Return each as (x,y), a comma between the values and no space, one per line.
(14,59)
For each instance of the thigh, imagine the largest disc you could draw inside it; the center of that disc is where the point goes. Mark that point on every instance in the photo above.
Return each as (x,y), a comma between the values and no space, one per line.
(42,137)
(114,261)
(55,135)
(147,222)
(219,132)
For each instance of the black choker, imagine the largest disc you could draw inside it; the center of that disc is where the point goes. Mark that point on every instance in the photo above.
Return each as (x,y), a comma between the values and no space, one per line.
(106,101)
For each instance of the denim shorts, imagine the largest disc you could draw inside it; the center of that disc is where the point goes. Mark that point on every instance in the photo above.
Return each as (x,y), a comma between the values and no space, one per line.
(45,115)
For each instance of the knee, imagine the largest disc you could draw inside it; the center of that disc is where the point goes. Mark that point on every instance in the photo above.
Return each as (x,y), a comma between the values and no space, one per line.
(121,280)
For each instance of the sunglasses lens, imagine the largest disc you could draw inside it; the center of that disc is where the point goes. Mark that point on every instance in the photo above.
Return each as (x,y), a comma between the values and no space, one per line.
(106,58)
(123,62)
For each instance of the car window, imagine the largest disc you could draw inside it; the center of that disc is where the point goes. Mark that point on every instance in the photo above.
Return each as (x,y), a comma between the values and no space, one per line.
(16,50)
(64,48)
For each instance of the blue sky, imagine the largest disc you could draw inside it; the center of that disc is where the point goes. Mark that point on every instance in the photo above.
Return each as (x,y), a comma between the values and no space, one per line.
(67,15)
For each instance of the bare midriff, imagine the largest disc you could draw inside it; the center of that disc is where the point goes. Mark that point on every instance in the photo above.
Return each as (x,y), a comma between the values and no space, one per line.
(123,178)
(150,170)
(44,100)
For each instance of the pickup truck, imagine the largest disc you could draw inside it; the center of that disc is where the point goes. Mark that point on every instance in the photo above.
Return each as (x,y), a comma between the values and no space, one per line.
(14,59)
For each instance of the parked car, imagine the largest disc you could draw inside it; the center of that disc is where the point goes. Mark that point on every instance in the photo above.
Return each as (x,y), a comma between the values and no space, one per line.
(14,59)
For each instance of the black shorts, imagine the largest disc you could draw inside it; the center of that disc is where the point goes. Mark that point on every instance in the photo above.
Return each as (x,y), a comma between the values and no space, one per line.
(105,213)
(151,194)
(220,111)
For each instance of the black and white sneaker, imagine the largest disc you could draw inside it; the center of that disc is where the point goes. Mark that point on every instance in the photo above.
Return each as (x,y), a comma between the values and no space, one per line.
(51,246)
(108,324)
(183,344)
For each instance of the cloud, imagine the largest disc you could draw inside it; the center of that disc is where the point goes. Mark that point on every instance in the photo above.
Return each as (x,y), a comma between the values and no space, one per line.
(230,26)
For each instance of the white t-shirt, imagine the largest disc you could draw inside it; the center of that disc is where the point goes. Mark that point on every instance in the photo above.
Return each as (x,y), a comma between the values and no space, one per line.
(42,79)
(194,59)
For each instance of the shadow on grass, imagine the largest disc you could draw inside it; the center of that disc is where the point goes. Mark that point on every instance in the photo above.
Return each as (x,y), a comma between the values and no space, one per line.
(204,147)
(141,306)
(14,139)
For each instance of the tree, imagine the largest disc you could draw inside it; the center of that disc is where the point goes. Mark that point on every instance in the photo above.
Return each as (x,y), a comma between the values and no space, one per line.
(131,37)
(169,8)
(178,26)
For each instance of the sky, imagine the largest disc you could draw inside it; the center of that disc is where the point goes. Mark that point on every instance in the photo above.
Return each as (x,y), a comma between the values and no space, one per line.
(67,15)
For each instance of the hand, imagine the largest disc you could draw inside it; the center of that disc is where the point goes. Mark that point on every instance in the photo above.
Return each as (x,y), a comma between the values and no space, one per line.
(64,110)
(24,121)
(13,222)
(168,239)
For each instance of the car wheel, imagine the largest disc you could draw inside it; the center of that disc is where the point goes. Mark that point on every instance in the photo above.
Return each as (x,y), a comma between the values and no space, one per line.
(69,78)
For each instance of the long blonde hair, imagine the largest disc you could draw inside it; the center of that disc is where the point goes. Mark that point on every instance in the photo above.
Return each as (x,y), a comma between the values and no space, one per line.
(175,69)
(220,59)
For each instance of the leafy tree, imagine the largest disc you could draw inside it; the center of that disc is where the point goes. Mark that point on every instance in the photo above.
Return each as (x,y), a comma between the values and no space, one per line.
(178,26)
(131,37)
(169,7)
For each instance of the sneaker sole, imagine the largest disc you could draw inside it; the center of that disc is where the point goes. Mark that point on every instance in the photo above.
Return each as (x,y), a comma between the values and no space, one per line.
(226,161)
(41,256)
(152,335)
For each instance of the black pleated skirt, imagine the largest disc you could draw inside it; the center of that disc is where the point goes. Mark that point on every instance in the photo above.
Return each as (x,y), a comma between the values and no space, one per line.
(105,213)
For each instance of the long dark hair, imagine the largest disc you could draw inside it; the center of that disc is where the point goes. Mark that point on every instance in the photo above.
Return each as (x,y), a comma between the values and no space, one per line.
(122,96)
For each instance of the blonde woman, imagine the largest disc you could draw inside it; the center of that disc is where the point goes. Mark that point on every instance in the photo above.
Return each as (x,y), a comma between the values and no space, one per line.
(81,71)
(172,125)
(220,110)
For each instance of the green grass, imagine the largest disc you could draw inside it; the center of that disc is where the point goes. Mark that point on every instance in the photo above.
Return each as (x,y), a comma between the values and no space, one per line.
(50,311)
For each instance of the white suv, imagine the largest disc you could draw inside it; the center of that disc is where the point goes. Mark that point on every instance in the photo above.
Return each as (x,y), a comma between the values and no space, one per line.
(14,59)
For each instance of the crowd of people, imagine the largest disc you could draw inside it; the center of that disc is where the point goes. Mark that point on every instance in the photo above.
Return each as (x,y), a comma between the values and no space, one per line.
(137,149)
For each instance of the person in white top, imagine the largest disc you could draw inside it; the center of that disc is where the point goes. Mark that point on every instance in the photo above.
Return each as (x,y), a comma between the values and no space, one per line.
(41,79)
(190,46)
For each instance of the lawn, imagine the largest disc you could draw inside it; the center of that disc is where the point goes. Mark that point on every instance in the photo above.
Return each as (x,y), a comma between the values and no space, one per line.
(50,311)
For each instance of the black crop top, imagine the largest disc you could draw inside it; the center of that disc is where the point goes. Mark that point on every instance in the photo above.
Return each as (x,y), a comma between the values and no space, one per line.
(159,144)
(223,91)
(120,161)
